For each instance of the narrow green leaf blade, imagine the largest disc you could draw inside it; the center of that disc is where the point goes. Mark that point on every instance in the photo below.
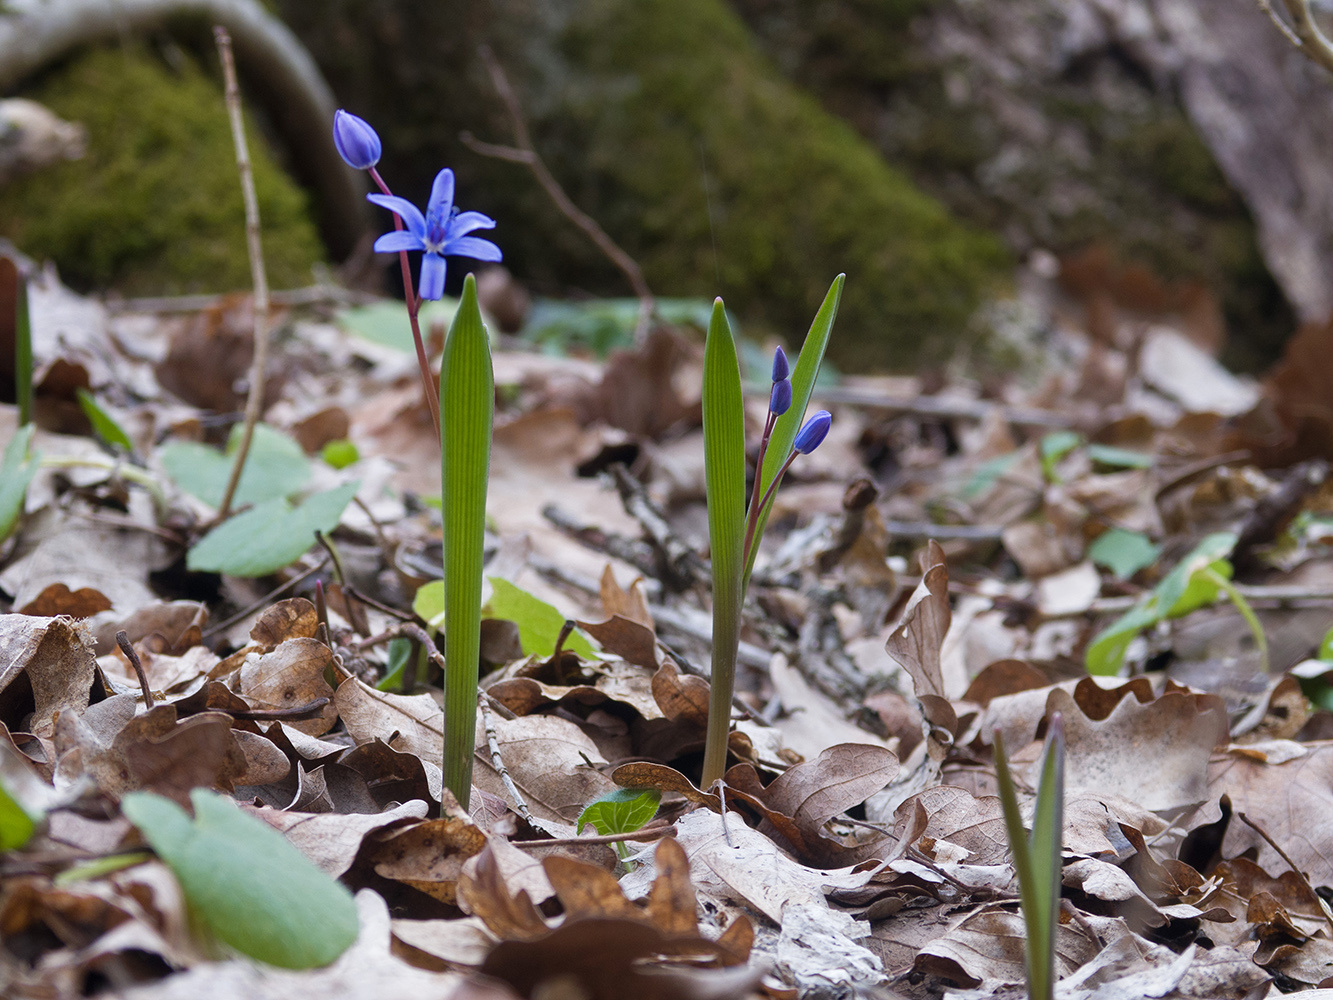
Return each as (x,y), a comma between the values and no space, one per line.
(1182,590)
(621,811)
(802,386)
(724,478)
(1107,650)
(270,535)
(16,826)
(16,471)
(539,624)
(104,424)
(245,882)
(1046,851)
(467,411)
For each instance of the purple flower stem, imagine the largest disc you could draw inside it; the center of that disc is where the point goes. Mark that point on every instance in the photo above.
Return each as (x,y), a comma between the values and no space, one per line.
(428,387)
(763,503)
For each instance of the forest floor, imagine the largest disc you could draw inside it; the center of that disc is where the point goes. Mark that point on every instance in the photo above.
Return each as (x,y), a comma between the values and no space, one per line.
(857,846)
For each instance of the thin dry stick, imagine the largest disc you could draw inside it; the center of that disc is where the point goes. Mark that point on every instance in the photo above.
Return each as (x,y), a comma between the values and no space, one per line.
(1305,33)
(1328,914)
(493,741)
(524,152)
(266,600)
(644,834)
(123,641)
(259,364)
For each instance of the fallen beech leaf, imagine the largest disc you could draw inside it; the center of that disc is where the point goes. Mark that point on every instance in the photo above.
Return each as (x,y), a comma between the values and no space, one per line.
(1154,754)
(290,676)
(630,640)
(956,815)
(1291,801)
(54,656)
(917,641)
(988,946)
(332,840)
(410,723)
(58,599)
(294,618)
(428,856)
(630,604)
(155,751)
(842,776)
(482,891)
(682,697)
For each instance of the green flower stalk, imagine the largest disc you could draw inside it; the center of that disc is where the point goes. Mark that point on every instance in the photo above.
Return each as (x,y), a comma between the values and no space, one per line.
(733,530)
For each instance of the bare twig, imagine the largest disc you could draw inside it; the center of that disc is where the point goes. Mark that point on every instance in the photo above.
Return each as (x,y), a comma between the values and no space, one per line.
(680,567)
(493,741)
(1304,32)
(525,153)
(651,832)
(1323,906)
(123,641)
(265,714)
(254,246)
(266,600)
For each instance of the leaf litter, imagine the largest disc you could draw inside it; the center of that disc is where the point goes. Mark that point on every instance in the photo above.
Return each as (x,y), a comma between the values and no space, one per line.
(943,570)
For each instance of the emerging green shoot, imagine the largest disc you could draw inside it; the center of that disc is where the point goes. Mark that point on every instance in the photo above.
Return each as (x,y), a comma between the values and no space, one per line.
(467,397)
(1037,855)
(733,531)
(623,811)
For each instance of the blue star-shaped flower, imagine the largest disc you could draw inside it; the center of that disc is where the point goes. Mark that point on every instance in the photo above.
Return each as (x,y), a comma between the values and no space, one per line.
(441,232)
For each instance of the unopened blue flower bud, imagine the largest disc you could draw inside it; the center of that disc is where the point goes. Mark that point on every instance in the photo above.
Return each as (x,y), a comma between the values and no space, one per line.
(357,142)
(779,401)
(812,435)
(780,369)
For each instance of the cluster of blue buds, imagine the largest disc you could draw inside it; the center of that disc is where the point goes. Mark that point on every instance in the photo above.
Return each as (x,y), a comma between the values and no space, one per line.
(815,429)
(443,231)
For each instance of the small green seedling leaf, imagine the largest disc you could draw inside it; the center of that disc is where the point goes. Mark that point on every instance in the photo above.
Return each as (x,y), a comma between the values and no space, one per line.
(245,883)
(340,454)
(1055,446)
(1123,552)
(98,867)
(104,424)
(986,474)
(16,826)
(1326,647)
(1194,582)
(385,323)
(270,535)
(539,624)
(16,471)
(1118,458)
(275,467)
(622,811)
(429,604)
(400,653)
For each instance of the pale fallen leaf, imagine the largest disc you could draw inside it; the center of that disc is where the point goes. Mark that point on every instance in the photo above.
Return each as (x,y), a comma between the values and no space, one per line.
(55,657)
(332,840)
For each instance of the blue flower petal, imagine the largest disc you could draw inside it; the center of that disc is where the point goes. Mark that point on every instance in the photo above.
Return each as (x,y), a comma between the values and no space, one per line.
(440,207)
(474,247)
(432,276)
(399,239)
(404,209)
(466,222)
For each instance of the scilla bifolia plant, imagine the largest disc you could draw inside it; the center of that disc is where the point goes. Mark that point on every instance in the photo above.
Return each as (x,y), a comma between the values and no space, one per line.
(1037,855)
(467,390)
(734,532)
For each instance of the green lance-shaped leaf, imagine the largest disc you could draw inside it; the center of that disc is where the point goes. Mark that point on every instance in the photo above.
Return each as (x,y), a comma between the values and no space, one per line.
(724,477)
(467,411)
(17,467)
(1038,856)
(245,883)
(802,386)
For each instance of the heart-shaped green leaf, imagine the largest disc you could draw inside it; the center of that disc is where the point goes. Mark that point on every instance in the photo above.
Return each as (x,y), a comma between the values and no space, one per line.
(275,466)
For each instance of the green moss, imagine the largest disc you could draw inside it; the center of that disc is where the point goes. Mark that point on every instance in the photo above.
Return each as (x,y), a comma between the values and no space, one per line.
(155,205)
(722,178)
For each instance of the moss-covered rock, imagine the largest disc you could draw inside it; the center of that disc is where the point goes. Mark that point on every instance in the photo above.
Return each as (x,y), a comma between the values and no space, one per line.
(1012,118)
(721,177)
(663,121)
(155,206)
